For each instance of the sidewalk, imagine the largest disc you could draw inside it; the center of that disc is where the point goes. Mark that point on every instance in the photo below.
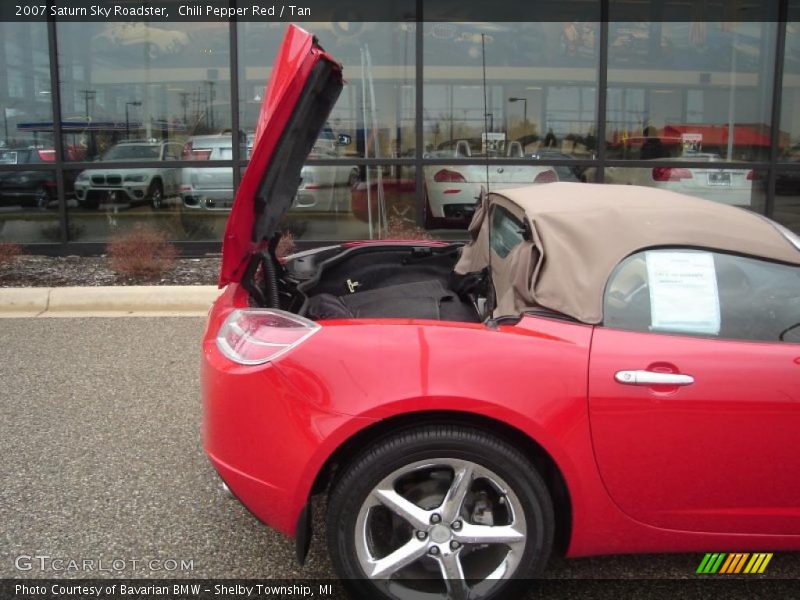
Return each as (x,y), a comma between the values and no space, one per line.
(111,301)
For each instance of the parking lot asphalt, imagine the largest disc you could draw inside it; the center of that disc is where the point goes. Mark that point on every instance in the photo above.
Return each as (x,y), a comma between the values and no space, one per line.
(102,460)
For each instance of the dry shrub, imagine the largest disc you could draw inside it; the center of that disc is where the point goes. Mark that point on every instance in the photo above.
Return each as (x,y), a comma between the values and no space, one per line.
(142,253)
(286,245)
(401,229)
(9,251)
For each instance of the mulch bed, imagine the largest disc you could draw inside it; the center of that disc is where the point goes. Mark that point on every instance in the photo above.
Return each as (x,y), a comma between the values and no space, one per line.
(48,271)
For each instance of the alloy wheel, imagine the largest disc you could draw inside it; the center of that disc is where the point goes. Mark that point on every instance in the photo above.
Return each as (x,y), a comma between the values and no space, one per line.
(440,528)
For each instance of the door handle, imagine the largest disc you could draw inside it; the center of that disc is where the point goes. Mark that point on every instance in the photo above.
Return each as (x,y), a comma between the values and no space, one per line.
(652,378)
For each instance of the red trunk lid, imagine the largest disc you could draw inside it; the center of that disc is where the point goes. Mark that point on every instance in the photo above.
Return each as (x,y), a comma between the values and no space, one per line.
(304,86)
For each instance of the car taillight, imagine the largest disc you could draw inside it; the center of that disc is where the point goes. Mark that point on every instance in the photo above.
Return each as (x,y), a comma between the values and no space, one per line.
(671,173)
(446,175)
(254,336)
(47,155)
(546,177)
(189,153)
(754,176)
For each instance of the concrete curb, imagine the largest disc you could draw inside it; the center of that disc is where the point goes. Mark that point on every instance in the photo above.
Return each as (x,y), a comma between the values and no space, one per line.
(127,301)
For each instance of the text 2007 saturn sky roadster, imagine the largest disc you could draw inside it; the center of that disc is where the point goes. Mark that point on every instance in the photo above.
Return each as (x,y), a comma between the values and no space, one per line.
(583,376)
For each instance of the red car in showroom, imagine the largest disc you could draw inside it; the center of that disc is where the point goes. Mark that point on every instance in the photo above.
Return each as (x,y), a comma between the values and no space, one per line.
(600,369)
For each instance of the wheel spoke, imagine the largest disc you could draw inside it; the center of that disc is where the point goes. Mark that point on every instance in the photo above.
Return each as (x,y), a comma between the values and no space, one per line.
(451,506)
(486,534)
(416,516)
(453,575)
(402,557)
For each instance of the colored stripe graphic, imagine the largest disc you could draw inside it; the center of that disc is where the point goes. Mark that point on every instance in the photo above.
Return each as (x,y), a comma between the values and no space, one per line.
(723,563)
(703,564)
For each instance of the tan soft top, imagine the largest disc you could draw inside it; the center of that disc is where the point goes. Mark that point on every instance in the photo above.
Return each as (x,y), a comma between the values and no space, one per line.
(582,231)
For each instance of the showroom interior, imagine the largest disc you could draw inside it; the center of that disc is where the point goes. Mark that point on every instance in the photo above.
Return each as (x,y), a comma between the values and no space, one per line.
(110,126)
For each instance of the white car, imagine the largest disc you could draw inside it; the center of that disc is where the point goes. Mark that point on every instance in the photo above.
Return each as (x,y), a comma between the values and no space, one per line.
(452,190)
(325,189)
(131,185)
(728,186)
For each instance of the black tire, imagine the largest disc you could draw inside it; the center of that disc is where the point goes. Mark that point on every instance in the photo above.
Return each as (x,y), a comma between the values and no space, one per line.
(155,195)
(427,443)
(430,220)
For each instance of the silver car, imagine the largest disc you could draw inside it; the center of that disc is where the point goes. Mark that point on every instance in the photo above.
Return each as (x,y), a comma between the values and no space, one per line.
(209,188)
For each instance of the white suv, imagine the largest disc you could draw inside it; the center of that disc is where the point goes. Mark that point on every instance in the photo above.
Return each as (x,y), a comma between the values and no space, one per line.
(131,185)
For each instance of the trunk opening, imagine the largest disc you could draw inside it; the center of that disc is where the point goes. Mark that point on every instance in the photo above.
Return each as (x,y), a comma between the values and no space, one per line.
(371,281)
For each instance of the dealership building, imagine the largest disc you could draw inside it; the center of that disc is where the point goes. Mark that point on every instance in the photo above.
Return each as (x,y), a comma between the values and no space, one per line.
(112,125)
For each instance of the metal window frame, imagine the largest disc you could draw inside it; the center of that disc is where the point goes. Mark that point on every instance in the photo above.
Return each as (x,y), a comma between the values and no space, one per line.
(238,162)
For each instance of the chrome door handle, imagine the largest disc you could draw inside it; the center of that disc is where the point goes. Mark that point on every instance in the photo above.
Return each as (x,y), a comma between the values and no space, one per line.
(652,378)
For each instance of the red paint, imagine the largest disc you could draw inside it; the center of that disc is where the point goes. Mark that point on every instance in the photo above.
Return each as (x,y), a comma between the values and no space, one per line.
(671,468)
(296,59)
(712,456)
(711,466)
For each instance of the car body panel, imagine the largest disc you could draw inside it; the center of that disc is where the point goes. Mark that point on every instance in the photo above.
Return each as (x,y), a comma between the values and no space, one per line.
(325,188)
(307,406)
(444,196)
(29,188)
(712,456)
(208,188)
(725,185)
(297,58)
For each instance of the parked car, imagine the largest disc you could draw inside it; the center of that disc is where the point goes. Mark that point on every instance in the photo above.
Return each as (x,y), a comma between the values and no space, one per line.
(564,172)
(28,188)
(726,185)
(152,185)
(574,379)
(209,188)
(452,190)
(325,188)
(321,188)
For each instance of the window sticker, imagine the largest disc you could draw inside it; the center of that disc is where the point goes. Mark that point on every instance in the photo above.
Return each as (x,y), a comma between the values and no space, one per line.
(683,292)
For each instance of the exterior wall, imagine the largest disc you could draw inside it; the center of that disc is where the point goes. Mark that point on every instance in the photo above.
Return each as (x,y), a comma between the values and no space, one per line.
(111,125)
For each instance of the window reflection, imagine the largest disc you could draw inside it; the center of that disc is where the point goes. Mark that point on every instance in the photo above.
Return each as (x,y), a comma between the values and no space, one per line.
(28,195)
(351,201)
(682,89)
(787,199)
(744,188)
(539,92)
(374,116)
(141,82)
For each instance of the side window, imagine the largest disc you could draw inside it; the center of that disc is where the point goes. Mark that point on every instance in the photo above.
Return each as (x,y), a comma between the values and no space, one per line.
(709,294)
(506,232)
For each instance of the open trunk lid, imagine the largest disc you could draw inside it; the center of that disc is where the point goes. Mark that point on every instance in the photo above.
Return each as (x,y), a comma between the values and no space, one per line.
(304,86)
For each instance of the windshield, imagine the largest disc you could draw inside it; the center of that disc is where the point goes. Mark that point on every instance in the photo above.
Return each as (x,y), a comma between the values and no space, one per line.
(133,152)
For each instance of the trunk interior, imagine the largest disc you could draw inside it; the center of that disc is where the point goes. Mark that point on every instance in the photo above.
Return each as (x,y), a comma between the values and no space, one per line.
(374,281)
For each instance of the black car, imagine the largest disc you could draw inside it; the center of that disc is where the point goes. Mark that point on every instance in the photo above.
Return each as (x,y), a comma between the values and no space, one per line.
(27,188)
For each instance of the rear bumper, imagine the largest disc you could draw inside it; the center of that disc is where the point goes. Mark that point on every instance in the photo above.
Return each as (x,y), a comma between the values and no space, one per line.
(208,199)
(260,432)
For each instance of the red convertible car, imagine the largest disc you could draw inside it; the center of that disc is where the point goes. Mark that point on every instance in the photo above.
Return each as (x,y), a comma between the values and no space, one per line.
(600,369)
